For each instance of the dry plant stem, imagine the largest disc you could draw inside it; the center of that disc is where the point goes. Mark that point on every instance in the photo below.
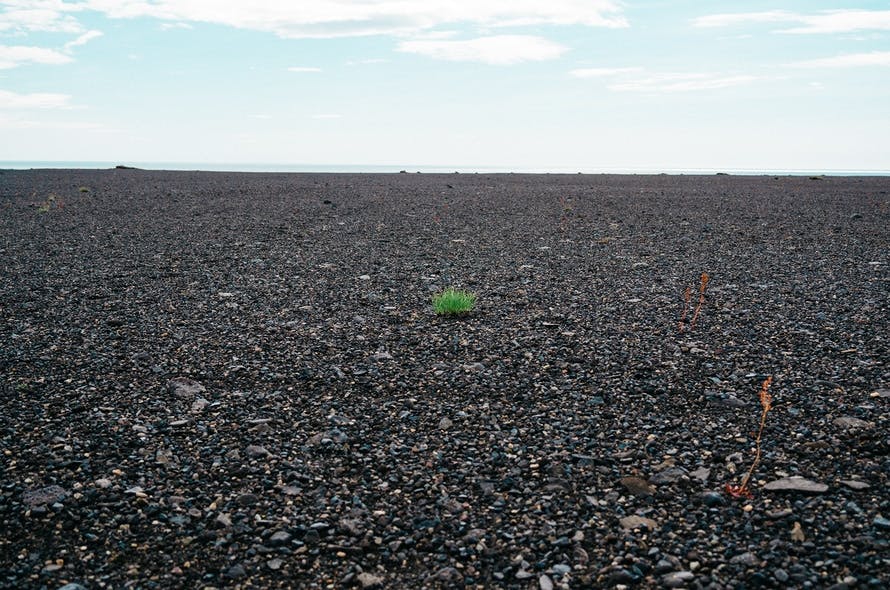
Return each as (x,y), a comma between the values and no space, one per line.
(701,298)
(766,402)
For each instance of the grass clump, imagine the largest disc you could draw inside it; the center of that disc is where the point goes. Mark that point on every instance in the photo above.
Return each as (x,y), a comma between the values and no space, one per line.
(453,302)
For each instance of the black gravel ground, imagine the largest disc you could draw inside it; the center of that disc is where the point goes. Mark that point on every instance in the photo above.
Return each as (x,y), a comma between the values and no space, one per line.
(237,380)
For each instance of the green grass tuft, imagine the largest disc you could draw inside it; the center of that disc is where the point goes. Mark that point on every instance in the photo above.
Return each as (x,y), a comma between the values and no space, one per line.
(453,302)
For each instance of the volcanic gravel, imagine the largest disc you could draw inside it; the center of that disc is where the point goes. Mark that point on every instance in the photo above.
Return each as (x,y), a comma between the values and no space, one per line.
(238,380)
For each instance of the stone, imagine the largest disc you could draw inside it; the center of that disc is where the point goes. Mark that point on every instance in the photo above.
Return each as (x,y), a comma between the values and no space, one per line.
(851,423)
(274,564)
(747,559)
(637,486)
(184,387)
(236,571)
(368,580)
(279,538)
(780,575)
(545,583)
(72,586)
(42,496)
(669,475)
(445,424)
(677,579)
(855,484)
(796,484)
(713,499)
(881,523)
(635,522)
(256,452)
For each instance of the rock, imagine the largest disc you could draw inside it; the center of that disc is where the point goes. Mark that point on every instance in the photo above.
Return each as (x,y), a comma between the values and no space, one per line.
(637,486)
(184,387)
(72,586)
(103,483)
(224,520)
(713,499)
(545,583)
(635,522)
(247,499)
(780,575)
(880,393)
(256,452)
(279,538)
(42,496)
(881,523)
(236,571)
(747,559)
(677,579)
(851,423)
(367,580)
(855,484)
(446,574)
(701,474)
(796,484)
(274,564)
(445,424)
(669,475)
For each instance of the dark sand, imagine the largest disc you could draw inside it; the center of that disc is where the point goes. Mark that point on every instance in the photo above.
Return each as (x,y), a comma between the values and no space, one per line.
(342,434)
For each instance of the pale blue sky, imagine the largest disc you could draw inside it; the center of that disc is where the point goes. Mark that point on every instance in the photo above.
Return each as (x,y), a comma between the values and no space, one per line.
(544,84)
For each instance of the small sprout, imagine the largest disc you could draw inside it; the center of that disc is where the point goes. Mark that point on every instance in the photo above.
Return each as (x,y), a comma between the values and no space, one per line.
(453,302)
(766,402)
(84,189)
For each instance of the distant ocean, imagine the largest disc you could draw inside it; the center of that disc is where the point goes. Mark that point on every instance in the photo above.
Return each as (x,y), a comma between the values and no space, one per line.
(355,169)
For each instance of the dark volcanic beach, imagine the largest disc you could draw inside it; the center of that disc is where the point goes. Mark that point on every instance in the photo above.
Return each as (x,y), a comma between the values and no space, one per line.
(238,380)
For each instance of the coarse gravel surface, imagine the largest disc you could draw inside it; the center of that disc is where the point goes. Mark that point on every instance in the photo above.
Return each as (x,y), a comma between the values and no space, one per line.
(221,380)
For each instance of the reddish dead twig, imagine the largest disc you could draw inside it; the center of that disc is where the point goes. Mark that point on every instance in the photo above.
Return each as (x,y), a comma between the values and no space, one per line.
(766,402)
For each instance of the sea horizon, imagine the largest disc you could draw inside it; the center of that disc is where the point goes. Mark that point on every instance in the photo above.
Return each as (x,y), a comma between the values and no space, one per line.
(418,168)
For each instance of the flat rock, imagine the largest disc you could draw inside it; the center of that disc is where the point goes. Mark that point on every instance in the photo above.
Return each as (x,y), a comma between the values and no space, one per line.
(796,484)
(635,522)
(851,423)
(45,495)
(637,486)
(184,387)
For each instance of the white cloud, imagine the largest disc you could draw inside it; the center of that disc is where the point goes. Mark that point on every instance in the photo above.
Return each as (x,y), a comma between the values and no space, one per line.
(82,39)
(601,72)
(828,21)
(40,100)
(174,26)
(664,83)
(12,56)
(496,50)
(327,116)
(851,60)
(323,18)
(303,69)
(39,15)
(740,18)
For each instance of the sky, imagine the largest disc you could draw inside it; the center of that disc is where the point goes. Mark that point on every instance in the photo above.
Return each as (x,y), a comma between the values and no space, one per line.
(471,84)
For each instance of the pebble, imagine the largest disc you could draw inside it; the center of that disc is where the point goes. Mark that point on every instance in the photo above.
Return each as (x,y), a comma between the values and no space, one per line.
(635,522)
(256,452)
(368,580)
(677,579)
(881,523)
(713,499)
(780,575)
(545,583)
(637,486)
